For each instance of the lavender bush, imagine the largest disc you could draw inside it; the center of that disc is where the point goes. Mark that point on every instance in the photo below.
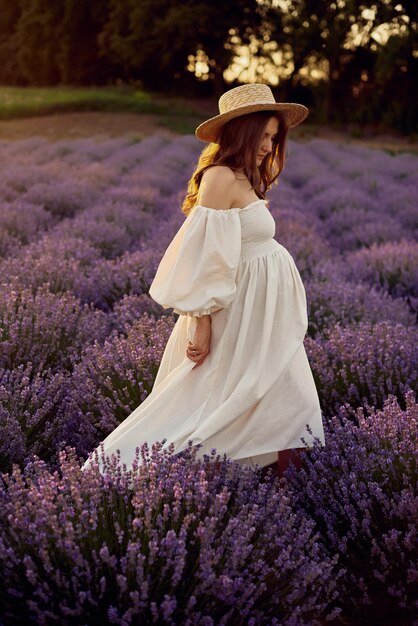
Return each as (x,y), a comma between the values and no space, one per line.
(132,307)
(59,262)
(335,199)
(353,228)
(393,266)
(61,199)
(343,302)
(110,236)
(174,541)
(112,380)
(107,281)
(362,365)
(46,329)
(361,491)
(301,240)
(30,405)
(20,223)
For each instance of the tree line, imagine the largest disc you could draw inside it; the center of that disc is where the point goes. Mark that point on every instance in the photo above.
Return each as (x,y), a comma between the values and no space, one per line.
(149,43)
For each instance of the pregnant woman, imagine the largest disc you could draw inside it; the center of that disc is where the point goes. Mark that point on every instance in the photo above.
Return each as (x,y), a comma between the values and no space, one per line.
(234,374)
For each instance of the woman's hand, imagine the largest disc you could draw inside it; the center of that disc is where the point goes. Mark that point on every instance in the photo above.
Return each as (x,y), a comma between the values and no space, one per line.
(201,341)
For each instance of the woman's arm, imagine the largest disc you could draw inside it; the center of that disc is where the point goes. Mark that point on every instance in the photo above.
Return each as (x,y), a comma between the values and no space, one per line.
(217,192)
(201,341)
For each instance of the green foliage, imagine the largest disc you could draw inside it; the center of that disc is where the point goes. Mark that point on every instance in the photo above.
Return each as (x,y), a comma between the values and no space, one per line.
(152,39)
(30,101)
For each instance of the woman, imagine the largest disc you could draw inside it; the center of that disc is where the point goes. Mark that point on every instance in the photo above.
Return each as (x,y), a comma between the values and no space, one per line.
(234,374)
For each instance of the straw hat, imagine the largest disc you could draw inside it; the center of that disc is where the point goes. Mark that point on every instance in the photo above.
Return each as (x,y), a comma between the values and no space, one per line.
(247,99)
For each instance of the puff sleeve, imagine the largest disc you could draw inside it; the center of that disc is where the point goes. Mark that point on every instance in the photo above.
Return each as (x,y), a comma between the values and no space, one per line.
(197,273)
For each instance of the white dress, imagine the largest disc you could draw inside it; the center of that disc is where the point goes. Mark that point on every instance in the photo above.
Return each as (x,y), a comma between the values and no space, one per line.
(254,393)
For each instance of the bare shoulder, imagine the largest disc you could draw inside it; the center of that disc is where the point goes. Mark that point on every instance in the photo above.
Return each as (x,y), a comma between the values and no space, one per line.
(217,187)
(219,173)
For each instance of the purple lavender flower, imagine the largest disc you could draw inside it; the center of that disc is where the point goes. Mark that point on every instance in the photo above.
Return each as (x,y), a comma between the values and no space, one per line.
(30,405)
(361,492)
(363,364)
(131,308)
(174,541)
(20,223)
(48,330)
(108,280)
(338,301)
(112,380)
(58,262)
(393,266)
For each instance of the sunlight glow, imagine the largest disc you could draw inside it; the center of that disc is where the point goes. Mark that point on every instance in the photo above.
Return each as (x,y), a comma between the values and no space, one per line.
(199,64)
(249,66)
(262,61)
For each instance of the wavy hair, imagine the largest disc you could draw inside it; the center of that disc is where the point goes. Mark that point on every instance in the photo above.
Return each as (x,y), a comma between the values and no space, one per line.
(236,147)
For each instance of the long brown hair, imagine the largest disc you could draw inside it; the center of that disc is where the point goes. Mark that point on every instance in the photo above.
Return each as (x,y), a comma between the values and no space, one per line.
(236,147)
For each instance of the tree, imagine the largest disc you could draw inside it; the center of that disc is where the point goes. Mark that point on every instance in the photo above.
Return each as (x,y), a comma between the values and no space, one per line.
(9,17)
(152,40)
(340,32)
(77,58)
(321,29)
(38,35)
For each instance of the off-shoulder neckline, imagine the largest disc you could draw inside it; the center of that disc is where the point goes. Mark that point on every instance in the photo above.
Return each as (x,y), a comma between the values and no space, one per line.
(201,206)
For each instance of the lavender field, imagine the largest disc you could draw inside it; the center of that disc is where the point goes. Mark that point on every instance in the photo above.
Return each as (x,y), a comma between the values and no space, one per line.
(83,226)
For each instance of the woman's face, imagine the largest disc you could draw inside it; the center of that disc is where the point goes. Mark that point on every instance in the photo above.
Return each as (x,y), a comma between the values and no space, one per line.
(266,144)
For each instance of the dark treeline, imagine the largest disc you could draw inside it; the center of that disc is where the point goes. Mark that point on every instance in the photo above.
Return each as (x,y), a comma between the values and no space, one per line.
(149,43)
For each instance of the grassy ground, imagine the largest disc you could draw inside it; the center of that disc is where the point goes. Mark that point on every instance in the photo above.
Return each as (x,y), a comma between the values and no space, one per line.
(24,102)
(61,112)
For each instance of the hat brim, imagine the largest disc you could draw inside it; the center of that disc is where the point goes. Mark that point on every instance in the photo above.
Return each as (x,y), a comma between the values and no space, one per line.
(293,115)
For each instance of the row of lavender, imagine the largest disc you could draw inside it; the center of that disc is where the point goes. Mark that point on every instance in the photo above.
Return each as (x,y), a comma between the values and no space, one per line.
(82,228)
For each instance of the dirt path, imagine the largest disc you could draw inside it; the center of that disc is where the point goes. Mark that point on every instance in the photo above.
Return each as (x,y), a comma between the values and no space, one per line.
(94,124)
(394,143)
(100,125)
